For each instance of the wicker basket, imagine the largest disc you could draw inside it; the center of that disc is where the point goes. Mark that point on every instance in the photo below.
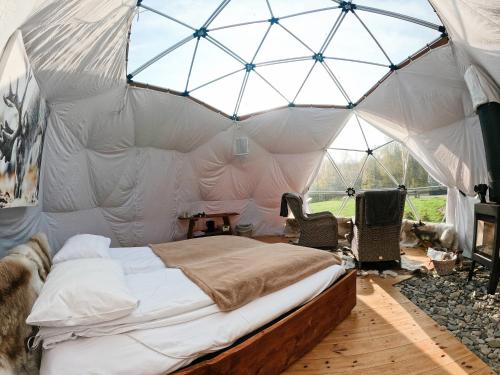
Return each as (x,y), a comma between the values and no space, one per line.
(444,267)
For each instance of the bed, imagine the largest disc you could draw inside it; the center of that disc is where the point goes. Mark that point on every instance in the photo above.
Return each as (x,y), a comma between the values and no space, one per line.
(263,336)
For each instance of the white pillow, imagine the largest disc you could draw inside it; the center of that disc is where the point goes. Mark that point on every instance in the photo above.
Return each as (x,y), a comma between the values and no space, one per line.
(83,292)
(83,246)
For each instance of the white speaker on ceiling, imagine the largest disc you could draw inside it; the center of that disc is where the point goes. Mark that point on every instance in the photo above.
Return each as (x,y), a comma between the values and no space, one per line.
(240,146)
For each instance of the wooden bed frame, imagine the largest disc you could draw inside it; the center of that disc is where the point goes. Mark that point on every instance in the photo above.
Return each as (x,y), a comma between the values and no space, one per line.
(274,348)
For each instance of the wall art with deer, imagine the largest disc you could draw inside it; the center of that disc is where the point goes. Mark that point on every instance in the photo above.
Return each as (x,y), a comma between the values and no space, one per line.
(23,121)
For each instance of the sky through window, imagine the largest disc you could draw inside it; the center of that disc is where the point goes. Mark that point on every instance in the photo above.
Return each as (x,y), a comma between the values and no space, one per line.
(244,56)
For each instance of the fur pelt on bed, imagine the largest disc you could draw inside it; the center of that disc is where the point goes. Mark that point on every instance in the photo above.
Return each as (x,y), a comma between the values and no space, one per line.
(22,273)
(446,234)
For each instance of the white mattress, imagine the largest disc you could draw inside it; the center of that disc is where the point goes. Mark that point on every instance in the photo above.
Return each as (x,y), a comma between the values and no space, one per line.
(164,349)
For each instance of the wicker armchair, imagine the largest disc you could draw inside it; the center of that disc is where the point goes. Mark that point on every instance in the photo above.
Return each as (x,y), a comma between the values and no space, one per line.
(376,243)
(318,230)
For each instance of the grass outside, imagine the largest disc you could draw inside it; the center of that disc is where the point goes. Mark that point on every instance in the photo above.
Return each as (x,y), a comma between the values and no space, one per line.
(429,208)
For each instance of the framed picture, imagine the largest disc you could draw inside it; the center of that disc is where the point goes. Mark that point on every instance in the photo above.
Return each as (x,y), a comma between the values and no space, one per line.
(23,120)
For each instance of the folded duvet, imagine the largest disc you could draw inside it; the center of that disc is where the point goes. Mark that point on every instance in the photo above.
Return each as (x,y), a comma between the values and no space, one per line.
(166,296)
(168,299)
(234,271)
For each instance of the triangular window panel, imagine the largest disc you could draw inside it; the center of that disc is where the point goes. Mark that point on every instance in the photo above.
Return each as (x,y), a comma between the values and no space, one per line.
(240,11)
(312,28)
(223,93)
(285,77)
(347,207)
(376,177)
(357,78)
(410,211)
(329,179)
(172,70)
(151,35)
(243,40)
(295,32)
(420,9)
(416,176)
(194,12)
(328,192)
(391,156)
(352,41)
(211,63)
(319,88)
(428,208)
(283,8)
(426,199)
(281,45)
(399,38)
(351,137)
(349,164)
(374,136)
(258,96)
(341,205)
(338,204)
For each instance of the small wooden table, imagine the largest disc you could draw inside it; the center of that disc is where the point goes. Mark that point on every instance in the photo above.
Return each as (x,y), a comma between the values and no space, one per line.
(225,218)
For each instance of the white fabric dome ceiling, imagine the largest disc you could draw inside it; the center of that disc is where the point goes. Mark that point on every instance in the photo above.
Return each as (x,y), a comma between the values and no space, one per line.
(244,56)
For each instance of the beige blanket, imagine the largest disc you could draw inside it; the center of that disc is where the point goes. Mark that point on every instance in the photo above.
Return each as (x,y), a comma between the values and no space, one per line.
(236,270)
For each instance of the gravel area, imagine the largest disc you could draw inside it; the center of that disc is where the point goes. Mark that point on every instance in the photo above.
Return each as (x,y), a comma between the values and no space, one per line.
(466,310)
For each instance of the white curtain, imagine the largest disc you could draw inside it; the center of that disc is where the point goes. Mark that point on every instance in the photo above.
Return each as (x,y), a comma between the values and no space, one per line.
(12,15)
(427,107)
(474,28)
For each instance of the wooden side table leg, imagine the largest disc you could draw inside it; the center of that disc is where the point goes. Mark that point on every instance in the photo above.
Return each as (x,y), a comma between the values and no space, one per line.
(190,228)
(228,223)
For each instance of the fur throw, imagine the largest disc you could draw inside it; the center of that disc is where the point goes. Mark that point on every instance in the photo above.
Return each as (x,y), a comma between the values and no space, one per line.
(22,273)
(445,234)
(345,228)
(292,229)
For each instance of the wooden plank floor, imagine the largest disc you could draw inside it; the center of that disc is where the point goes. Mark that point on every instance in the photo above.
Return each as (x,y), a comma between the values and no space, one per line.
(387,334)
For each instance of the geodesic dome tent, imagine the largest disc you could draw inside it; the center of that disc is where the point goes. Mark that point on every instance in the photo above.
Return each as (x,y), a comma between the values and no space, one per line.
(139,132)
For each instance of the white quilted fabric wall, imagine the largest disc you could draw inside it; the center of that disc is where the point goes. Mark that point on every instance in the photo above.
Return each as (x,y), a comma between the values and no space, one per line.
(127,162)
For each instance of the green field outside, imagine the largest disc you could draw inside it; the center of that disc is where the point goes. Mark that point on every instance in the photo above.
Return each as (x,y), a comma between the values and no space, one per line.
(429,208)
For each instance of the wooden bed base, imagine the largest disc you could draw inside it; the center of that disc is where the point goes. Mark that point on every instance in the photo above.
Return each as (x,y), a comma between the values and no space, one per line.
(271,350)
